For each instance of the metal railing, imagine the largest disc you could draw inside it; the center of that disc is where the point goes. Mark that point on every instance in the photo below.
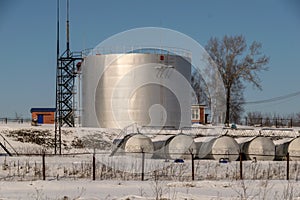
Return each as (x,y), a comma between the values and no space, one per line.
(137,49)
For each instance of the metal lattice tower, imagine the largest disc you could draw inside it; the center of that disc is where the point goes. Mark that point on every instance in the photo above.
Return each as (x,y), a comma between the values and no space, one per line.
(66,73)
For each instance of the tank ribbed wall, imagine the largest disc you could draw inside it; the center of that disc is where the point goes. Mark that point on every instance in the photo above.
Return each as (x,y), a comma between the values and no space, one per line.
(121,89)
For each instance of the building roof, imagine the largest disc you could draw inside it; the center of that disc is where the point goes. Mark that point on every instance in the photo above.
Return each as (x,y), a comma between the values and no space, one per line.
(199,106)
(42,110)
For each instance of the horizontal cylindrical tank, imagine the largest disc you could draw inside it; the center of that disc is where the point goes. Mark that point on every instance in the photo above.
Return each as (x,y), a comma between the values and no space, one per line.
(294,149)
(204,145)
(180,146)
(173,147)
(134,144)
(143,88)
(139,143)
(259,148)
(281,148)
(218,147)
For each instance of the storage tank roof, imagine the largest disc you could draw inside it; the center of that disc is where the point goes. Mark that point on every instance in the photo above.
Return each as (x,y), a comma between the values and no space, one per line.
(282,141)
(161,138)
(205,139)
(138,49)
(241,140)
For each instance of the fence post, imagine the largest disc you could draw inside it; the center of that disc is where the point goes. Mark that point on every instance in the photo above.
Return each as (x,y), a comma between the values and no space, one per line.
(143,164)
(287,166)
(44,166)
(94,165)
(193,167)
(241,166)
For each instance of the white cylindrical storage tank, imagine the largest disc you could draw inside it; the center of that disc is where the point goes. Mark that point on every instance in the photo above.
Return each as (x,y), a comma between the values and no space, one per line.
(294,149)
(217,148)
(133,144)
(204,145)
(281,148)
(225,147)
(144,88)
(180,146)
(139,143)
(260,148)
(159,143)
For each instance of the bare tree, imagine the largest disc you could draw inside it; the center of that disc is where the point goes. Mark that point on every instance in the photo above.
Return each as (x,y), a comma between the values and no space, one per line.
(254,118)
(200,89)
(237,101)
(236,62)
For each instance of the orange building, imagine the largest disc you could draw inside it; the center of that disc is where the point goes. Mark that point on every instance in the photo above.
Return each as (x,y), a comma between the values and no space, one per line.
(43,115)
(198,114)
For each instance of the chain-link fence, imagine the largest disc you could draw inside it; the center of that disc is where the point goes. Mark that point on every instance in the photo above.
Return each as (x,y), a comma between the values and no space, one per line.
(140,166)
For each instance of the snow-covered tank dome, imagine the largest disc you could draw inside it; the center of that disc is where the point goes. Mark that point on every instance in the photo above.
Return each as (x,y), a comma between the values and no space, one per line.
(180,146)
(262,148)
(294,149)
(139,143)
(225,147)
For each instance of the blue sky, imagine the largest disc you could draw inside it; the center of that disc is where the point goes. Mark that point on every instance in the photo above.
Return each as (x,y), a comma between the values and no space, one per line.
(28,41)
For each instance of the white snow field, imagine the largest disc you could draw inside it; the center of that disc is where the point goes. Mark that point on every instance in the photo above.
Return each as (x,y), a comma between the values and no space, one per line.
(118,177)
(148,190)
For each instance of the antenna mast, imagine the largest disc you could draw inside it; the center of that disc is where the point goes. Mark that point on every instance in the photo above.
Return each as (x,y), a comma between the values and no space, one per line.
(68,30)
(57,78)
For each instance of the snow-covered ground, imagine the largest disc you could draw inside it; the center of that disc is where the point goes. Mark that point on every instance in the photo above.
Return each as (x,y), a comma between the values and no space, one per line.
(69,177)
(148,190)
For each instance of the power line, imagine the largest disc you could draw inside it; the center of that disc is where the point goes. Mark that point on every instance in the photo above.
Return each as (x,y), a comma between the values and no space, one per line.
(287,96)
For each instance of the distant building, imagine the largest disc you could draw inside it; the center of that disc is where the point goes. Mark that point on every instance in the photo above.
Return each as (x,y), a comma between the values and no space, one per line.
(43,115)
(198,114)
